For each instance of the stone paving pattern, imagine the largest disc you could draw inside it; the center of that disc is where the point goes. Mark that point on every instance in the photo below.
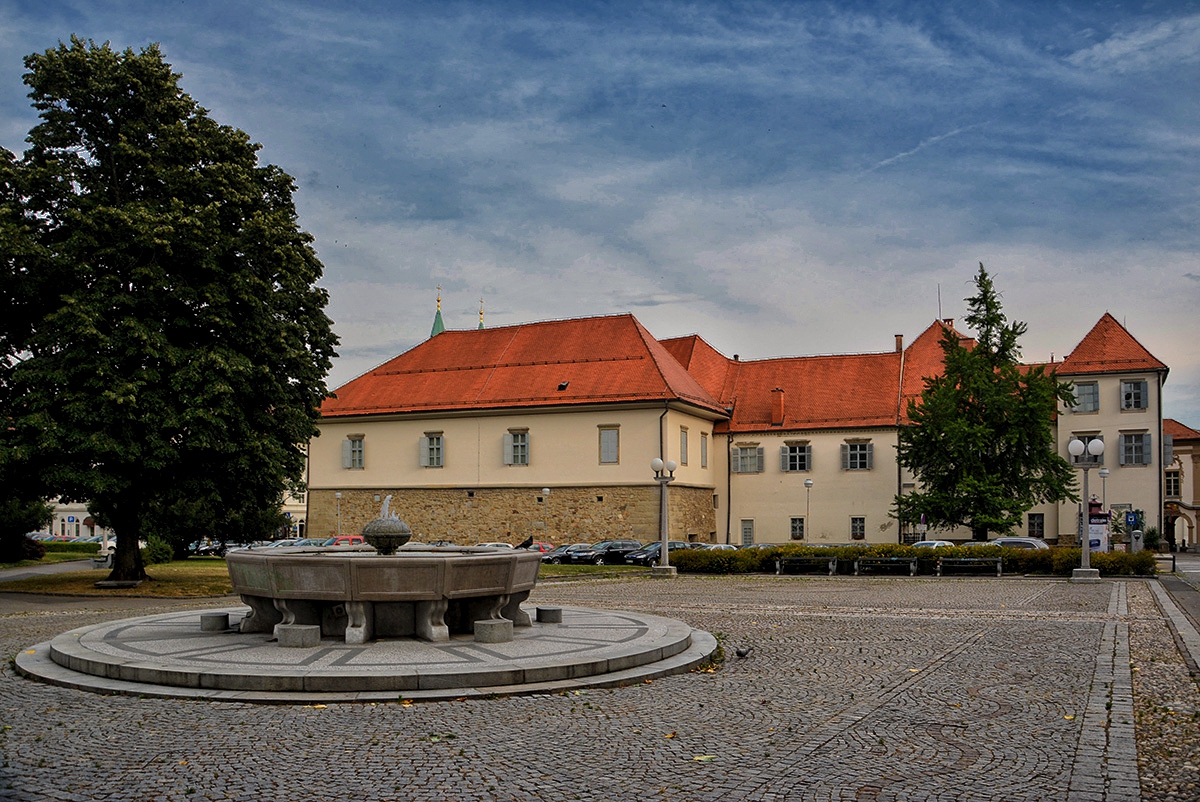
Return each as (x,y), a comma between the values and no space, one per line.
(853,689)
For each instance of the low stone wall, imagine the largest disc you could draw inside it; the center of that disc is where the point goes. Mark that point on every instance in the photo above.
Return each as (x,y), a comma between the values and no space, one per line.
(566,515)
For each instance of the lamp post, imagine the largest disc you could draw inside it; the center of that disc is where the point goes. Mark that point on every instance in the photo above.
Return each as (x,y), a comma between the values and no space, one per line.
(808,483)
(1103,474)
(1093,450)
(664,474)
(338,496)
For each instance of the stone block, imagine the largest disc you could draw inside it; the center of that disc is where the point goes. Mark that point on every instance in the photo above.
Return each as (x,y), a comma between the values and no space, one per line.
(214,622)
(298,635)
(1085,576)
(496,630)
(549,615)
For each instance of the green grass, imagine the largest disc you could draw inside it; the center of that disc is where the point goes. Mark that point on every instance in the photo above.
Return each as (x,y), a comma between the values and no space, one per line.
(50,558)
(208,576)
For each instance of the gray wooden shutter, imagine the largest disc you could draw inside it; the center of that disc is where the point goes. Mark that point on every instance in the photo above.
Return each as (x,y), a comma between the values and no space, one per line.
(528,449)
(1121,449)
(808,462)
(423,452)
(762,465)
(508,448)
(845,456)
(1168,455)
(735,464)
(870,456)
(347,456)
(1147,450)
(783,458)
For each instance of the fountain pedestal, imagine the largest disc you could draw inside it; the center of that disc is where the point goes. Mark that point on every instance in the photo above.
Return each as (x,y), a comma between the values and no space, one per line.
(358,595)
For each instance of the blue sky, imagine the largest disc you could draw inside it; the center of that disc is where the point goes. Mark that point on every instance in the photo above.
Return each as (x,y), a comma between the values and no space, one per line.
(781,178)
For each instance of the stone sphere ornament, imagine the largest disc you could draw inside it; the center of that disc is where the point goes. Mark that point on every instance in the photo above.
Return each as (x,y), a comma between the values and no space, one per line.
(387,532)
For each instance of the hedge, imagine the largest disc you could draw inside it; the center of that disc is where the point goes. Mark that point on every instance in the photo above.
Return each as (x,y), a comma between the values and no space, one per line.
(65,546)
(1053,562)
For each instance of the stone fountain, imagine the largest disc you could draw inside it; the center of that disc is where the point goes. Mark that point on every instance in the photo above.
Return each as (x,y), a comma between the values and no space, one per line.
(390,589)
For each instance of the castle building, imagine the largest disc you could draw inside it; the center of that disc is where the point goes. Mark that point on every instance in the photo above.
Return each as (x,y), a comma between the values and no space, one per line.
(548,429)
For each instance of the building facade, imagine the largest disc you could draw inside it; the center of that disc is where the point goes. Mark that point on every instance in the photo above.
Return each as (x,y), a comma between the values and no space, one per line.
(1181,484)
(548,429)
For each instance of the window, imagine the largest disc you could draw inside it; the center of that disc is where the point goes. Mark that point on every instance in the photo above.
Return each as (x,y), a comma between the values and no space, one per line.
(431,450)
(1037,524)
(858,528)
(858,456)
(797,529)
(610,445)
(353,453)
(1134,395)
(747,532)
(1086,457)
(795,457)
(683,445)
(1087,397)
(1172,488)
(516,447)
(747,459)
(1135,449)
(703,450)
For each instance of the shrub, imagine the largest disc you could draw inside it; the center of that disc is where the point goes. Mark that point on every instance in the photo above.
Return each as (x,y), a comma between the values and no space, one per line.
(17,548)
(157,551)
(78,548)
(1120,563)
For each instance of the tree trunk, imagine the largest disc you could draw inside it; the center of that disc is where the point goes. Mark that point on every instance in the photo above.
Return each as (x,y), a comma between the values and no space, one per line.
(127,559)
(979,533)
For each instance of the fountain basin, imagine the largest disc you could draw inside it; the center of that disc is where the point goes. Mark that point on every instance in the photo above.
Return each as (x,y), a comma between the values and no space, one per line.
(359,595)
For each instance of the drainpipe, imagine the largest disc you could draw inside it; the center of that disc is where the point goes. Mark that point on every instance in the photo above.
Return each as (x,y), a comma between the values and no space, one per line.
(899,414)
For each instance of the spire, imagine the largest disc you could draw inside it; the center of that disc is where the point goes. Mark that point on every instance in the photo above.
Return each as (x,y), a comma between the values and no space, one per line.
(481,313)
(438,325)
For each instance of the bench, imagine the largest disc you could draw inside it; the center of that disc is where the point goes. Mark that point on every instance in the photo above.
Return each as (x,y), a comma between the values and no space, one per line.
(799,564)
(886,562)
(971,562)
(102,560)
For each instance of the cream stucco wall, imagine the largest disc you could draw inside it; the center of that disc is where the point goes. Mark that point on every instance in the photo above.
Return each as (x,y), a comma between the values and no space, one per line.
(1136,485)
(772,498)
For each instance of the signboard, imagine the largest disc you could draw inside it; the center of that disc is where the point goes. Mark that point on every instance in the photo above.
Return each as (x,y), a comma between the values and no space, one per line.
(1131,520)
(70,519)
(1098,532)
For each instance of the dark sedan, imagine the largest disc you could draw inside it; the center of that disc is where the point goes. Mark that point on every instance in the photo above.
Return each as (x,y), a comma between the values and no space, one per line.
(611,552)
(648,554)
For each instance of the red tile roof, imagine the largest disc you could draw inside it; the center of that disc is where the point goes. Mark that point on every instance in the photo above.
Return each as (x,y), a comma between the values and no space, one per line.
(708,366)
(1109,348)
(923,358)
(599,360)
(819,392)
(1178,430)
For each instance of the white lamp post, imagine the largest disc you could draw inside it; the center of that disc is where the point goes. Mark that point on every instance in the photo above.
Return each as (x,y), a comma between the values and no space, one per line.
(1103,474)
(338,496)
(1094,449)
(808,483)
(664,474)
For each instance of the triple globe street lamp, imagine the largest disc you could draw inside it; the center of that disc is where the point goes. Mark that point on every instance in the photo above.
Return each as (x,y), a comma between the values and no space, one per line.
(1093,450)
(664,474)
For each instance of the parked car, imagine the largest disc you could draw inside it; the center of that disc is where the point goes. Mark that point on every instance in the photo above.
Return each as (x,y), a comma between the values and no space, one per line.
(721,547)
(932,544)
(610,552)
(561,554)
(287,541)
(494,544)
(345,540)
(1020,543)
(649,554)
(309,541)
(542,546)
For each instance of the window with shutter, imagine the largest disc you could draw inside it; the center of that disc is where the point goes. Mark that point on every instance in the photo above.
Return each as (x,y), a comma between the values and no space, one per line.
(858,456)
(1135,449)
(610,445)
(353,453)
(703,450)
(1134,395)
(516,448)
(683,445)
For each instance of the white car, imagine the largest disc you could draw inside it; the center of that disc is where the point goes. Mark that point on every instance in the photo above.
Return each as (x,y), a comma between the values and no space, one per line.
(494,545)
(933,544)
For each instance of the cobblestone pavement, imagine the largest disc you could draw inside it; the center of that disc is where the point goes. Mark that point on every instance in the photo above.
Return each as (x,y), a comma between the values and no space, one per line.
(853,689)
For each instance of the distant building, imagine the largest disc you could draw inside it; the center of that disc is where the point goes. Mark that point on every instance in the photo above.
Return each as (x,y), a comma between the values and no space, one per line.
(548,429)
(1181,483)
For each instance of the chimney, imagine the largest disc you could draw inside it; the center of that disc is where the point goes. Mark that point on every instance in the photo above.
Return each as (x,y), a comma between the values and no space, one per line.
(777,407)
(899,343)
(949,321)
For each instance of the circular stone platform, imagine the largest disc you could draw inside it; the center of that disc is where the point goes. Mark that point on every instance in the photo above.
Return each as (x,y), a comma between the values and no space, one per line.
(170,656)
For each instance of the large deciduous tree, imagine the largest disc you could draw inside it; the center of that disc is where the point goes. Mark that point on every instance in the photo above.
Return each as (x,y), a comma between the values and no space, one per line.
(981,437)
(168,343)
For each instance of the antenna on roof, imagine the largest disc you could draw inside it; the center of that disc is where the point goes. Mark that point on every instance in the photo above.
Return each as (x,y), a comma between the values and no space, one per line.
(939,286)
(481,313)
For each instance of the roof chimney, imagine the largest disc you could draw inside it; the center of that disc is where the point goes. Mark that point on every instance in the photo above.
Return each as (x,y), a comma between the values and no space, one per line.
(899,343)
(949,321)
(777,407)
